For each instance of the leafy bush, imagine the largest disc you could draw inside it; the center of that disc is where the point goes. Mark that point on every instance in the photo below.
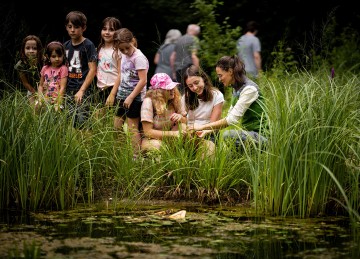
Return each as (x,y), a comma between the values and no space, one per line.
(217,39)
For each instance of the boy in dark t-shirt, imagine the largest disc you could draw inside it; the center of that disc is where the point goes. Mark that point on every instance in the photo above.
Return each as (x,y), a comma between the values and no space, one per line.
(82,57)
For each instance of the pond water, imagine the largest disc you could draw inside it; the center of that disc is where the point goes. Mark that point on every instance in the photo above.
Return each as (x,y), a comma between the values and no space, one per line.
(146,231)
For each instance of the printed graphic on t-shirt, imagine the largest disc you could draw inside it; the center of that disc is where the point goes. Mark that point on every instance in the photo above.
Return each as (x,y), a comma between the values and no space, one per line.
(52,81)
(75,65)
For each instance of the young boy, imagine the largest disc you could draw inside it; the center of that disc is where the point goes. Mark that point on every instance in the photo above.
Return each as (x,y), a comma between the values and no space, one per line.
(82,58)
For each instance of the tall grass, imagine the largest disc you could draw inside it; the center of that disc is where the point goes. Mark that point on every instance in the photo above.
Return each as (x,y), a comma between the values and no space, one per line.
(309,166)
(43,159)
(314,133)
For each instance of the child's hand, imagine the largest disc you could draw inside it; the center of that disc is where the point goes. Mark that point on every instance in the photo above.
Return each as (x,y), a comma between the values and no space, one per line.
(37,103)
(58,108)
(200,133)
(175,117)
(110,100)
(183,130)
(78,96)
(203,133)
(128,101)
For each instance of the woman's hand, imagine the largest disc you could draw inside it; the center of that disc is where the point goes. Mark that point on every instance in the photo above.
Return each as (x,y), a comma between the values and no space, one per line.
(194,127)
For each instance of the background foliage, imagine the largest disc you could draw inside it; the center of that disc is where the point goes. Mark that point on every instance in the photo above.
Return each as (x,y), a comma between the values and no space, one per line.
(298,27)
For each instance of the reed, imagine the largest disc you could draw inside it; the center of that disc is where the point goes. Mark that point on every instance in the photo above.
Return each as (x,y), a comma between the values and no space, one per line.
(308,167)
(313,134)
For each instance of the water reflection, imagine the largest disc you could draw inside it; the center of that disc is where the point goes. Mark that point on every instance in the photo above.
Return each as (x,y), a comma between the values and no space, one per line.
(206,232)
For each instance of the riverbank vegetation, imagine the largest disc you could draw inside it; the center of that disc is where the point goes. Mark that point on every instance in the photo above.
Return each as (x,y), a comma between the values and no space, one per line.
(310,165)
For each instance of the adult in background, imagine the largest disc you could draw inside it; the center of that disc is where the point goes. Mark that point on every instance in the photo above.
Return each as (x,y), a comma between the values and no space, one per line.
(185,53)
(249,48)
(246,110)
(162,56)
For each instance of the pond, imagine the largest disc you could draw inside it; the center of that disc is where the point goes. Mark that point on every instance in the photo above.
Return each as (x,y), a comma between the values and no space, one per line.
(147,230)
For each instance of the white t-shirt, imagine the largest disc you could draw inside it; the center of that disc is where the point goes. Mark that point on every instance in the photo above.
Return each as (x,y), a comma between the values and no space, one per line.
(201,115)
(107,70)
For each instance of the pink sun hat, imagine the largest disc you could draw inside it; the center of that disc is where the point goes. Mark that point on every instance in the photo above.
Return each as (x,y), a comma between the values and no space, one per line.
(162,81)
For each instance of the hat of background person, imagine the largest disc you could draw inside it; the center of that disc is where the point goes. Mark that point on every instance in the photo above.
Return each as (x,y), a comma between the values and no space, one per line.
(172,36)
(162,81)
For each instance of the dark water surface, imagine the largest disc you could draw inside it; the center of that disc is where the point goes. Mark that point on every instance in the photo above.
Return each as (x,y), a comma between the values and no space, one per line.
(146,231)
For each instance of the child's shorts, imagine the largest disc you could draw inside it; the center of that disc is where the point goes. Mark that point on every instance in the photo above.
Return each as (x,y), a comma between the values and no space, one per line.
(132,112)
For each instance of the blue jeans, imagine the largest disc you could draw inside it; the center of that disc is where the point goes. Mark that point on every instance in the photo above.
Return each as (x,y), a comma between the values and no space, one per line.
(240,136)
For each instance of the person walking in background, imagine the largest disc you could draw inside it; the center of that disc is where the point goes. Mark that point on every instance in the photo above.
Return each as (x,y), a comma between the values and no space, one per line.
(82,57)
(162,56)
(132,88)
(203,104)
(30,64)
(249,48)
(109,64)
(53,76)
(245,109)
(161,112)
(185,53)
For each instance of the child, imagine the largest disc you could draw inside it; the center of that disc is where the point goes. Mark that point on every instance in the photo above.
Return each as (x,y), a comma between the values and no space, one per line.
(82,57)
(30,64)
(132,88)
(109,63)
(53,75)
(161,112)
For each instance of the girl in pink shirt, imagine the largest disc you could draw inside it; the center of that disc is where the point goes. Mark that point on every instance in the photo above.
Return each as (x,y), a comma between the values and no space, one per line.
(53,76)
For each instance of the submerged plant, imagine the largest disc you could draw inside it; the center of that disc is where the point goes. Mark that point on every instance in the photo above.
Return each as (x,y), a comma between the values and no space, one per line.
(30,251)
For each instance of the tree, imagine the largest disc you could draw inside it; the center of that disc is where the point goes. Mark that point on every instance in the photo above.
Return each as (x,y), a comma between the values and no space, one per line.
(217,39)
